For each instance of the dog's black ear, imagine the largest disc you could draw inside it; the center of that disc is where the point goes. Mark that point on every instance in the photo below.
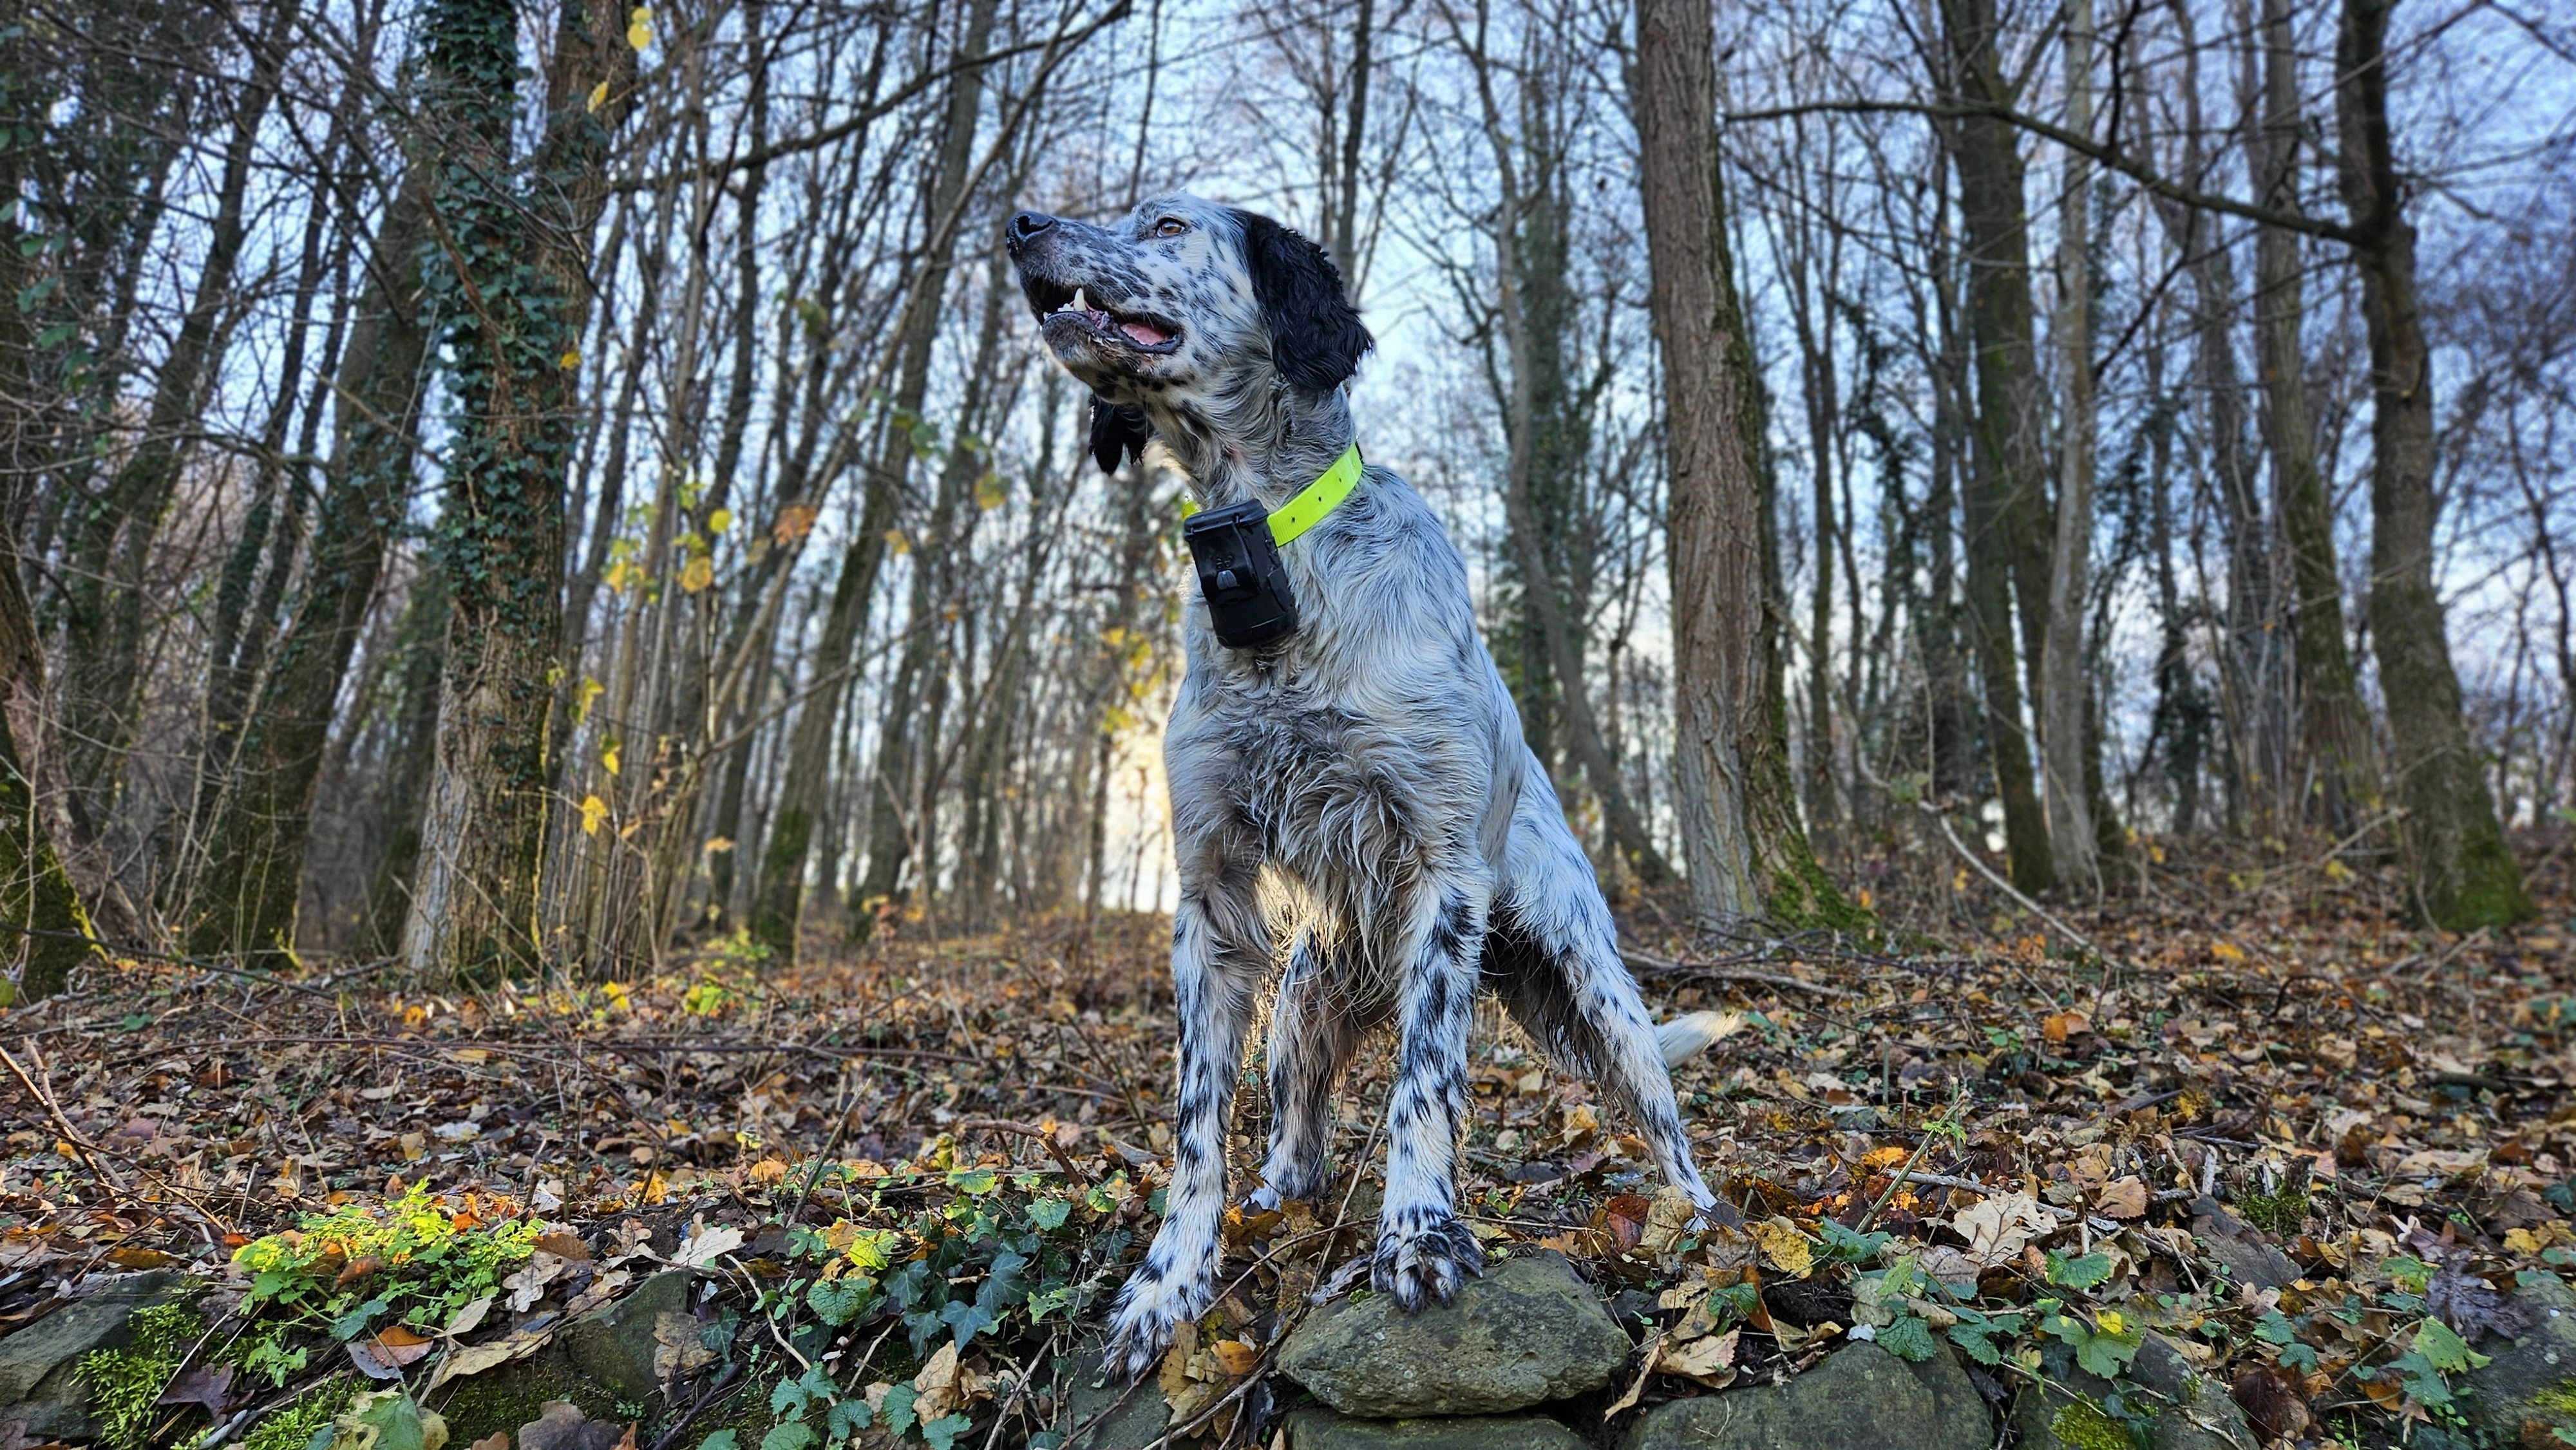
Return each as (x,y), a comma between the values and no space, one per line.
(1315,334)
(1118,430)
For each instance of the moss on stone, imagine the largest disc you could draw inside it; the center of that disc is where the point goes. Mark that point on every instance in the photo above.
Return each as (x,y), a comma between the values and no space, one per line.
(124,1385)
(2083,1426)
(2558,1399)
(2280,1213)
(510,1396)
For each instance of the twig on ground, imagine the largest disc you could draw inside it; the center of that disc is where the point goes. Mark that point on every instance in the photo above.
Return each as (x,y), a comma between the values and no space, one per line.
(90,1152)
(2006,887)
(1658,966)
(1054,1149)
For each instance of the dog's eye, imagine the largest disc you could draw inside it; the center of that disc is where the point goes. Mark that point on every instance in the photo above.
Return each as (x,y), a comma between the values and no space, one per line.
(1170,226)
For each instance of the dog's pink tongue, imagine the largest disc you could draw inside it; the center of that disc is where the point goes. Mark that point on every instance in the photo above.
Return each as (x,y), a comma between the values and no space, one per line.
(1145,334)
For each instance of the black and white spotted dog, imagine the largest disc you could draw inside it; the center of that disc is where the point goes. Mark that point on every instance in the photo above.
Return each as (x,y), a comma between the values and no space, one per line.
(1359,788)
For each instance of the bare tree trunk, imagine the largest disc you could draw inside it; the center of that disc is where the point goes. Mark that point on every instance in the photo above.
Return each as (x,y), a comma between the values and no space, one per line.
(246,897)
(420,664)
(104,640)
(2462,873)
(2334,725)
(519,294)
(791,832)
(890,794)
(2004,474)
(2065,678)
(1744,847)
(1548,437)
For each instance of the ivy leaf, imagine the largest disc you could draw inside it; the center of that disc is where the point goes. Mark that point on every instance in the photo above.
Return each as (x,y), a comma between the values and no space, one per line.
(1049,1214)
(721,1440)
(968,1320)
(942,1433)
(1977,1340)
(2444,1349)
(2108,1354)
(2275,1329)
(847,1417)
(792,1435)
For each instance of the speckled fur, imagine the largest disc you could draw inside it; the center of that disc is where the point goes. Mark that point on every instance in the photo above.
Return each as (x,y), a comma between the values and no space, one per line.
(1358,792)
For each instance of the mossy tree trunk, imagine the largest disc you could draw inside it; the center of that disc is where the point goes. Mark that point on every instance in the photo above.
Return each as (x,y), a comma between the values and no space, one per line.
(1744,847)
(2462,874)
(44,931)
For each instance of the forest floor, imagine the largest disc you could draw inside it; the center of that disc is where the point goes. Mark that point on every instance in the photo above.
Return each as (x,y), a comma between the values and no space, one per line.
(964,1134)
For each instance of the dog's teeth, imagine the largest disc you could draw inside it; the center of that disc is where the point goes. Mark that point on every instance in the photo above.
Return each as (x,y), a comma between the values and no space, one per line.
(1079,303)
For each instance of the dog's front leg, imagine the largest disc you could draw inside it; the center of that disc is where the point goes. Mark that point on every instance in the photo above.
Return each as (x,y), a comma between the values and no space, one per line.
(1423,1252)
(1220,950)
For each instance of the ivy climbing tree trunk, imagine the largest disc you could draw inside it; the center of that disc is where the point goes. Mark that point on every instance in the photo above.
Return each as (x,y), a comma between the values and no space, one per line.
(2462,873)
(245,897)
(1744,849)
(514,285)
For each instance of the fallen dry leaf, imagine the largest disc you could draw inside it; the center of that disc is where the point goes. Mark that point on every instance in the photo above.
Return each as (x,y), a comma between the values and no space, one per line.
(1709,1360)
(1998,1228)
(936,1385)
(2121,1198)
(1784,1248)
(706,1245)
(679,1347)
(209,1386)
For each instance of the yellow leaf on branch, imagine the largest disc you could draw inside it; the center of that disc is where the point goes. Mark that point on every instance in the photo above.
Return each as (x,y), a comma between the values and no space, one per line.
(593,811)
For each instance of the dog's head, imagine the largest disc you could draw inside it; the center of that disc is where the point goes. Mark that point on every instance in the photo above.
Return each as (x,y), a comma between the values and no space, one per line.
(1182,303)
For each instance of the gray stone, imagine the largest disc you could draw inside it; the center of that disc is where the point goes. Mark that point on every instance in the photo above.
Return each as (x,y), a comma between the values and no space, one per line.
(1861,1395)
(1529,1330)
(1125,1421)
(2531,1381)
(1324,1430)
(39,1365)
(2193,1411)
(2238,1248)
(613,1345)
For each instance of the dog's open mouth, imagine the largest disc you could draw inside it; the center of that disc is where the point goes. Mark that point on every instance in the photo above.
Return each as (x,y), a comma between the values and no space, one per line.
(1145,334)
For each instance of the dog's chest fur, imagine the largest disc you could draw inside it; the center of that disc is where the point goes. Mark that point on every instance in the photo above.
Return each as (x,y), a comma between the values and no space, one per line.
(1346,752)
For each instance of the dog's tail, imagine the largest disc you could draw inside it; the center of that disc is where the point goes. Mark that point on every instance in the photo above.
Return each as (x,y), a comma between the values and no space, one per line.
(1690,1034)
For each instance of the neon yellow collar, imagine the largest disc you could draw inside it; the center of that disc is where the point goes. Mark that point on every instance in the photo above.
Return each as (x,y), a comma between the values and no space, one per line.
(1312,502)
(1317,499)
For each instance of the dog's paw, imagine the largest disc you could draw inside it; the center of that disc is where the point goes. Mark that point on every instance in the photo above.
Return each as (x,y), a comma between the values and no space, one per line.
(1149,1312)
(1424,1261)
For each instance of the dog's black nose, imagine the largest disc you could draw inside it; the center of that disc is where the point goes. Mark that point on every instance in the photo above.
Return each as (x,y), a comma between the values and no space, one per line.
(1024,226)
